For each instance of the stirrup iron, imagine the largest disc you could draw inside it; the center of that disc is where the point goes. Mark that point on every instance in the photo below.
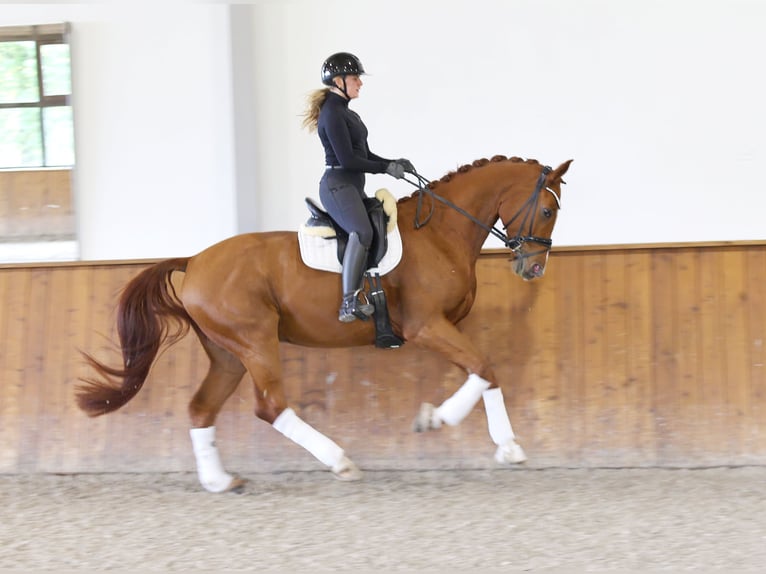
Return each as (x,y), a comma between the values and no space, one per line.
(352,308)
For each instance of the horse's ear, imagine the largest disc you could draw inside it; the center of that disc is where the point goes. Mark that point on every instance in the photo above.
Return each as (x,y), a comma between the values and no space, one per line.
(559,172)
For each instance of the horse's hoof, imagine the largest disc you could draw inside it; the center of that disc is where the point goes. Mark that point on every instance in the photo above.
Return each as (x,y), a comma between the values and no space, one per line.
(219,486)
(237,485)
(510,453)
(347,471)
(426,419)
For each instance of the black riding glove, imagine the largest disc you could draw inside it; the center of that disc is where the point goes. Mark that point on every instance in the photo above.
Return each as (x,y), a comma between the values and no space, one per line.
(407,165)
(395,169)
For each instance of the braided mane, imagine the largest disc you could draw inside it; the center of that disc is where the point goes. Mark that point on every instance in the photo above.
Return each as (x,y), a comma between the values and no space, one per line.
(478,163)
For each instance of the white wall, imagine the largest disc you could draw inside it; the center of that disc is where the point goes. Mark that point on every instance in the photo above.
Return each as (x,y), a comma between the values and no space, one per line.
(659,102)
(152,97)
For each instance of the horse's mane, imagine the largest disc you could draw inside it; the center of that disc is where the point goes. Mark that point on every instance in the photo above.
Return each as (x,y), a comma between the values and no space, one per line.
(469,166)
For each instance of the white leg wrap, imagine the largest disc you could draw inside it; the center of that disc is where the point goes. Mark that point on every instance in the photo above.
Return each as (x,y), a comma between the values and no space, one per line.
(210,470)
(497,417)
(508,451)
(456,408)
(303,434)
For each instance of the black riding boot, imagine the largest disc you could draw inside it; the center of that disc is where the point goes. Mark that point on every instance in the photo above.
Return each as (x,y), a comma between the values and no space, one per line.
(354,262)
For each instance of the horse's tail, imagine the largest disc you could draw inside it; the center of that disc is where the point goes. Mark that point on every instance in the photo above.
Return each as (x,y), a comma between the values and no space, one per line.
(149,315)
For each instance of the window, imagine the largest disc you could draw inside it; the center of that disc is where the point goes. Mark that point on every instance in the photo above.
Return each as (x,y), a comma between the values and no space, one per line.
(37,218)
(36,128)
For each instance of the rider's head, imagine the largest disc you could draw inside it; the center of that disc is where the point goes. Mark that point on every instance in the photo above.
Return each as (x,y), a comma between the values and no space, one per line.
(337,68)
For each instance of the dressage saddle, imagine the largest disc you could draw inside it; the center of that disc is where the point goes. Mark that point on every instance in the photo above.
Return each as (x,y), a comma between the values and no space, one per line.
(378,219)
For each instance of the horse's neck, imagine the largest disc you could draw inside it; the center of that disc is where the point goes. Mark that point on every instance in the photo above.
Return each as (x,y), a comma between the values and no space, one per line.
(480,201)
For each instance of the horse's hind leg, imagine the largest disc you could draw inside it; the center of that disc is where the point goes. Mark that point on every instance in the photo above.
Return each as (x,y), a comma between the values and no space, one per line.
(222,379)
(265,369)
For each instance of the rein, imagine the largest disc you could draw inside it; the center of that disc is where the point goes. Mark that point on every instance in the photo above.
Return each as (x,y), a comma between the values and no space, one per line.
(526,212)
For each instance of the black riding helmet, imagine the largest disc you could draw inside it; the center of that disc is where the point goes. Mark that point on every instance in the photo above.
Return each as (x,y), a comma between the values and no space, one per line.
(341,64)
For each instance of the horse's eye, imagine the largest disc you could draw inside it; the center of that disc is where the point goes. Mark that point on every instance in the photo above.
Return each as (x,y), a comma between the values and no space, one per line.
(547,212)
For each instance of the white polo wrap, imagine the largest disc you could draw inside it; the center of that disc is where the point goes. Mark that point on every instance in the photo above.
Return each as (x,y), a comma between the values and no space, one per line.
(303,434)
(456,408)
(497,417)
(210,470)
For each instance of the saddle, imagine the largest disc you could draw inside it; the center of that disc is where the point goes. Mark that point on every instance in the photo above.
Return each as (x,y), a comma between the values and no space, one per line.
(327,227)
(378,218)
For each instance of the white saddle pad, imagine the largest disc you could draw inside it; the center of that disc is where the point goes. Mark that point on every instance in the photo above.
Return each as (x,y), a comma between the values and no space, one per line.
(319,248)
(322,252)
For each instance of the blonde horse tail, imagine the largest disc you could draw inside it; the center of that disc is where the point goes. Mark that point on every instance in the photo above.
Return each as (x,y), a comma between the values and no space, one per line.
(149,315)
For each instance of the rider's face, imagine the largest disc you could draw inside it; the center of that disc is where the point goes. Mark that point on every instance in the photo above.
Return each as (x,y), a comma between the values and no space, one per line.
(353,85)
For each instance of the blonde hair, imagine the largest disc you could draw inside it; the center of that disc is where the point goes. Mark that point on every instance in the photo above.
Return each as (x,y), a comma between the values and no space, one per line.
(314,103)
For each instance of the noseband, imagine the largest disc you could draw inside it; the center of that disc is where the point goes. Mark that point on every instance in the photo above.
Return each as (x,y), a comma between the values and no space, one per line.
(526,214)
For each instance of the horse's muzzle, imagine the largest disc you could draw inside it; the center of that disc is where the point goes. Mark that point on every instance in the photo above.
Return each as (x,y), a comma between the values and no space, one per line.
(528,269)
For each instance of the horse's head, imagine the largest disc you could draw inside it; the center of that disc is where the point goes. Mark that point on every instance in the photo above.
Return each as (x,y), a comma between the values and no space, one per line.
(529,227)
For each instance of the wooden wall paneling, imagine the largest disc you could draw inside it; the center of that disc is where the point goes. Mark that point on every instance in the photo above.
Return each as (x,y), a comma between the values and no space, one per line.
(687,353)
(388,405)
(541,376)
(29,199)
(14,214)
(81,434)
(88,435)
(57,212)
(369,402)
(53,345)
(639,384)
(14,287)
(597,423)
(33,407)
(735,322)
(620,407)
(755,264)
(567,271)
(6,196)
(714,417)
(336,409)
(36,203)
(664,343)
(616,357)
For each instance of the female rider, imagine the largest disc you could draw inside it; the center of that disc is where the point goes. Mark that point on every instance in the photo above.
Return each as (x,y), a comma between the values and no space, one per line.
(347,159)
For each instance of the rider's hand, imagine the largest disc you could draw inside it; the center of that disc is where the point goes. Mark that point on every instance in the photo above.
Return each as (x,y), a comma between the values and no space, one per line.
(407,165)
(395,169)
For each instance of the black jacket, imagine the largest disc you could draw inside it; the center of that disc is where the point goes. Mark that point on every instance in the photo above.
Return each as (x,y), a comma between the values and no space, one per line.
(344,137)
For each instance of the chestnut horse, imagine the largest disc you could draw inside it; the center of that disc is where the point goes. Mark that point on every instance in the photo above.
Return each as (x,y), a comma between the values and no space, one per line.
(244,295)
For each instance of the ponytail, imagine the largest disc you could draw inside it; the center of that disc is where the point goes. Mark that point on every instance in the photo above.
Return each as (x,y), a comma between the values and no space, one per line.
(314,100)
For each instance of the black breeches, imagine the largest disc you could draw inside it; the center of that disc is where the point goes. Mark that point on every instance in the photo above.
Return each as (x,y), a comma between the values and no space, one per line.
(342,195)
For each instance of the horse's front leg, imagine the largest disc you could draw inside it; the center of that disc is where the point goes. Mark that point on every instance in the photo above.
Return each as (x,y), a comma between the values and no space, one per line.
(446,339)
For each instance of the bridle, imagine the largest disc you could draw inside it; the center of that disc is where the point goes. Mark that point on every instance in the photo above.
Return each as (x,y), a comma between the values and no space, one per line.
(526,214)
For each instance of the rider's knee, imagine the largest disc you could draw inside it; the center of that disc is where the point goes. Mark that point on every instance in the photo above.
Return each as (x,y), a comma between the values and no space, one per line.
(365,235)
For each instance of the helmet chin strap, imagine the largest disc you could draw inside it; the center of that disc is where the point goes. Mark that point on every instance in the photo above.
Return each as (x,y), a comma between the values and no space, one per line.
(344,89)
